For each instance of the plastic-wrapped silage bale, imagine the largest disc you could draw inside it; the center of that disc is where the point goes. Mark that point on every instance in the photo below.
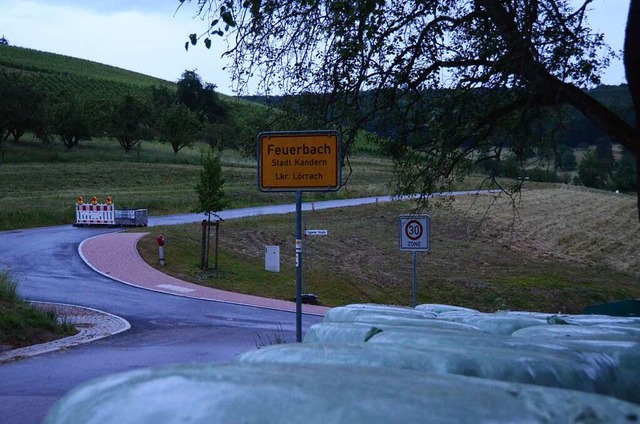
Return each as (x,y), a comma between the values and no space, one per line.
(499,323)
(551,369)
(602,369)
(623,357)
(438,308)
(395,321)
(338,333)
(350,312)
(265,394)
(575,332)
(355,332)
(589,320)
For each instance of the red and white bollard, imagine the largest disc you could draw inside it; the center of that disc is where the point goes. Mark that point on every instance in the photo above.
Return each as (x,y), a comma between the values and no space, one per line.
(160,241)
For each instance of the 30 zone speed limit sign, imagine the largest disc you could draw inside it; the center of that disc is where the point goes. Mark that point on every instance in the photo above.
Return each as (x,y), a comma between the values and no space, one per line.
(413,232)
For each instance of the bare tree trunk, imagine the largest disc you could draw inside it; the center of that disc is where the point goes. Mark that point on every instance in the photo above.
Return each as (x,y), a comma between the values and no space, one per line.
(208,244)
(632,70)
(215,266)
(203,245)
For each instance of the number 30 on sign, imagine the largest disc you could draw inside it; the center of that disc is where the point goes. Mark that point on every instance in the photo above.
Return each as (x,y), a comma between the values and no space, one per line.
(413,232)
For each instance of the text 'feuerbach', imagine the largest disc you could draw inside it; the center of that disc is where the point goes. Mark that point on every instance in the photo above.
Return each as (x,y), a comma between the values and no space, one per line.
(303,149)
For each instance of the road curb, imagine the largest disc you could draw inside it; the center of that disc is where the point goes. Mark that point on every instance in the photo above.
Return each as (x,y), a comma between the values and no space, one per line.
(92,324)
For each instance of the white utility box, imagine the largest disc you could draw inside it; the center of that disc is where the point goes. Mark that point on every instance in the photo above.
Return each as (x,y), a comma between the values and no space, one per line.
(272,258)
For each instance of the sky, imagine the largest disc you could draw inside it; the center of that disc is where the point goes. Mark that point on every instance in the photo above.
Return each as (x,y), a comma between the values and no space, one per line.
(148,36)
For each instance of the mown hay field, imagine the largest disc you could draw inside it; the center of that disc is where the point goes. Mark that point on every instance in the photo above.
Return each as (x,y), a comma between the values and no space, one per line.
(554,250)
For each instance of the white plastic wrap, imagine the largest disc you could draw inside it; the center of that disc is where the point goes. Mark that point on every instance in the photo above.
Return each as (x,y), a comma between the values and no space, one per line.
(541,368)
(211,394)
(384,364)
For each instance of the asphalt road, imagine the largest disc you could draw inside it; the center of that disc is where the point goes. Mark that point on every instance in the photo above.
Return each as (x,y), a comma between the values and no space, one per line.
(165,329)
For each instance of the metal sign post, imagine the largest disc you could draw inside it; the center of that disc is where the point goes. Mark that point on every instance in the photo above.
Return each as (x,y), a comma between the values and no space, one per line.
(413,236)
(298,266)
(297,162)
(414,283)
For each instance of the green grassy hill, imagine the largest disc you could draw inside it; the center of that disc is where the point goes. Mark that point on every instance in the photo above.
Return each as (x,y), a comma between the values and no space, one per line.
(35,61)
(59,74)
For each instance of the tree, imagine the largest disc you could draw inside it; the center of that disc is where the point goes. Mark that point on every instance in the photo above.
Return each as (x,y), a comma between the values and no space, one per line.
(23,105)
(178,126)
(161,98)
(481,64)
(632,71)
(510,167)
(129,121)
(74,119)
(211,200)
(5,108)
(211,196)
(565,158)
(624,174)
(195,104)
(200,97)
(593,172)
(238,130)
(189,87)
(604,152)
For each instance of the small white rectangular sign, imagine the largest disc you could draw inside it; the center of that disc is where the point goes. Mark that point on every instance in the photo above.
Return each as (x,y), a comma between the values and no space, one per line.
(316,232)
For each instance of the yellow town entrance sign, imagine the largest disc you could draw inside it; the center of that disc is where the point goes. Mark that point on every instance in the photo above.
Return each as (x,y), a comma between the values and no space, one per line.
(293,161)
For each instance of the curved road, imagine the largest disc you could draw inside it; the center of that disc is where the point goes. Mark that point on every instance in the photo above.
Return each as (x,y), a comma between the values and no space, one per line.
(166,329)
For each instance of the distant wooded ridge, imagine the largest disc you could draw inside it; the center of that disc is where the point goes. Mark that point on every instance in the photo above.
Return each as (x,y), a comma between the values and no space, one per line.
(574,131)
(59,73)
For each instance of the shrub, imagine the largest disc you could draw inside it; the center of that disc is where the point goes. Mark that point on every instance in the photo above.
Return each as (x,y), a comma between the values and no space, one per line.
(21,323)
(542,175)
(8,288)
(593,172)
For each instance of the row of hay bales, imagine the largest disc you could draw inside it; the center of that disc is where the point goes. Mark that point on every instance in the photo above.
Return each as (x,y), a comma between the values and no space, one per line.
(386,364)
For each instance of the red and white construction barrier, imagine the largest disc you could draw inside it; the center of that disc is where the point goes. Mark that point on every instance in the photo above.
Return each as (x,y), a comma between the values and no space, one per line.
(98,214)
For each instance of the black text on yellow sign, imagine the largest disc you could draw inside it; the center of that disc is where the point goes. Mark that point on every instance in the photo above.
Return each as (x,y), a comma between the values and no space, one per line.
(307,161)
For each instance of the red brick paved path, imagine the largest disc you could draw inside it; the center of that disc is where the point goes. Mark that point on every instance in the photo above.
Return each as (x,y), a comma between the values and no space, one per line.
(115,256)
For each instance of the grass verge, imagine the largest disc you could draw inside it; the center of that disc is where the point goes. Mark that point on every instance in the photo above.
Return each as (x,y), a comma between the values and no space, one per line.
(39,184)
(22,324)
(517,259)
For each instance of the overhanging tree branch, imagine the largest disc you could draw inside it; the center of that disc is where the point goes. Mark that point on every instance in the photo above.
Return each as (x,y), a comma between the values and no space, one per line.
(374,61)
